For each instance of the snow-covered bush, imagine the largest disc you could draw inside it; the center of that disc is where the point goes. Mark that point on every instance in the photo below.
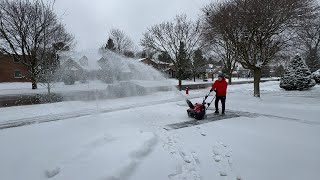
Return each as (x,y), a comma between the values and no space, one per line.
(297,76)
(316,76)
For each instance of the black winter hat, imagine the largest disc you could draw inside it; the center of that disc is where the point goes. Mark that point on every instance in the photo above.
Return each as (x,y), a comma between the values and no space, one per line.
(221,75)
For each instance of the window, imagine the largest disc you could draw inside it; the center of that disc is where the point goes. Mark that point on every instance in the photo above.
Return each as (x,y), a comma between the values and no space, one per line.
(17,74)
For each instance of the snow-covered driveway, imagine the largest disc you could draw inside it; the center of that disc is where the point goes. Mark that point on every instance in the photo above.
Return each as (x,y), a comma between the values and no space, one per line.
(280,142)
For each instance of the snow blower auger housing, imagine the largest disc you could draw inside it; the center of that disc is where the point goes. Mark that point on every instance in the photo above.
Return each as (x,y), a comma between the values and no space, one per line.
(198,110)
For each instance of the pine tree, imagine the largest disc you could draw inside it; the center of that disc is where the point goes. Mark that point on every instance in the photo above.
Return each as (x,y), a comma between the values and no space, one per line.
(110,45)
(316,76)
(313,60)
(143,54)
(164,57)
(297,76)
(182,63)
(198,62)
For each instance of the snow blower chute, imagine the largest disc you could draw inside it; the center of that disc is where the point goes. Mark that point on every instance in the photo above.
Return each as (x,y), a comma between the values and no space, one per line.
(198,111)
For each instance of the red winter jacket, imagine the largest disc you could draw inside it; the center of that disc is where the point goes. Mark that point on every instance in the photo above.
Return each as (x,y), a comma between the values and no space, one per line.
(220,87)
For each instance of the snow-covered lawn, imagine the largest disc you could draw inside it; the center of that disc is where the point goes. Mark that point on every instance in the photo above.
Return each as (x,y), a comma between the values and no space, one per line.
(280,142)
(25,87)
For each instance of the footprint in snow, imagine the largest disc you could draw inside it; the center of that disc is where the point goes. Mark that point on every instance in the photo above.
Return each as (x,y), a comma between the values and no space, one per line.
(201,131)
(217,158)
(195,157)
(216,150)
(221,155)
(185,157)
(53,172)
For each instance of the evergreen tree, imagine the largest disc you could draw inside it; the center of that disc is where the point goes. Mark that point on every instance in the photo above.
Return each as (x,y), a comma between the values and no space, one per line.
(297,76)
(143,54)
(129,54)
(198,63)
(316,76)
(279,71)
(182,64)
(164,57)
(313,60)
(110,45)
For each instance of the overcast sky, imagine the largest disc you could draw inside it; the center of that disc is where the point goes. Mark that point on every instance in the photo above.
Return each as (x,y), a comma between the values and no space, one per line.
(91,20)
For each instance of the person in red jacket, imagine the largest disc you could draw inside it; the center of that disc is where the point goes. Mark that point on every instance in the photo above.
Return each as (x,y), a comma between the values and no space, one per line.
(220,87)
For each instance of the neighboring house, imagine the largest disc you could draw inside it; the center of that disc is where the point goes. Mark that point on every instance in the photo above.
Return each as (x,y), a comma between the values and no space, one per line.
(170,71)
(84,61)
(212,71)
(83,65)
(156,64)
(241,72)
(12,70)
(149,62)
(167,68)
(70,66)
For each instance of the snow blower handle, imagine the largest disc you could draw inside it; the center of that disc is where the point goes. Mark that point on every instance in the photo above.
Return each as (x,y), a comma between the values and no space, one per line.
(206,97)
(211,100)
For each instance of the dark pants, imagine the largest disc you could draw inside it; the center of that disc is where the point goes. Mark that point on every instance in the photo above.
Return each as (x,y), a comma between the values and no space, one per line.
(223,102)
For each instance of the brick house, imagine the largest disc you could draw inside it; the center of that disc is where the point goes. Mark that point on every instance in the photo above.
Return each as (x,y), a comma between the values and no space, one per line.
(12,70)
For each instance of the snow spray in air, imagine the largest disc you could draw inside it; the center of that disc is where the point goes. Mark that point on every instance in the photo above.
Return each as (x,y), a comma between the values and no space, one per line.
(110,75)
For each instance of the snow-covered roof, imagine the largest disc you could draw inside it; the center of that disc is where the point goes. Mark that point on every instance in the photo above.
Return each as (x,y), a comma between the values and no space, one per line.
(155,61)
(91,55)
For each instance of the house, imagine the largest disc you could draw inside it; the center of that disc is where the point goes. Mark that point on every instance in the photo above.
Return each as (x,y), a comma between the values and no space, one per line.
(72,68)
(155,63)
(148,61)
(241,72)
(165,67)
(170,71)
(84,61)
(12,70)
(212,71)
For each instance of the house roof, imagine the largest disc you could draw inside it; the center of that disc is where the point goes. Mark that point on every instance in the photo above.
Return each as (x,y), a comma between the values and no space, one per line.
(92,56)
(155,61)
(70,64)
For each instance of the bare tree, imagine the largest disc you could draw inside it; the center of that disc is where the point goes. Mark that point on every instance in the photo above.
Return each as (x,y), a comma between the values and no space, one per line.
(216,39)
(308,38)
(223,50)
(122,42)
(28,30)
(170,36)
(257,29)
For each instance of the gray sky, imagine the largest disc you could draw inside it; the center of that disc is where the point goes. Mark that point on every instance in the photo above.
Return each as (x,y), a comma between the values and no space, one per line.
(91,20)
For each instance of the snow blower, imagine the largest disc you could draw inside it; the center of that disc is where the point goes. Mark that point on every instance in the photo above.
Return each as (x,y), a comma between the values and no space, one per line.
(198,111)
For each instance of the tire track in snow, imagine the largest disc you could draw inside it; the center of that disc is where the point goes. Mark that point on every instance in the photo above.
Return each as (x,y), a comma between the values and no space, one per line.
(124,172)
(136,157)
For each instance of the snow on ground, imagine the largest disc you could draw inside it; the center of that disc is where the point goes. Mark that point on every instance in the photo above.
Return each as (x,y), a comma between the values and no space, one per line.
(25,88)
(200,81)
(279,142)
(60,87)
